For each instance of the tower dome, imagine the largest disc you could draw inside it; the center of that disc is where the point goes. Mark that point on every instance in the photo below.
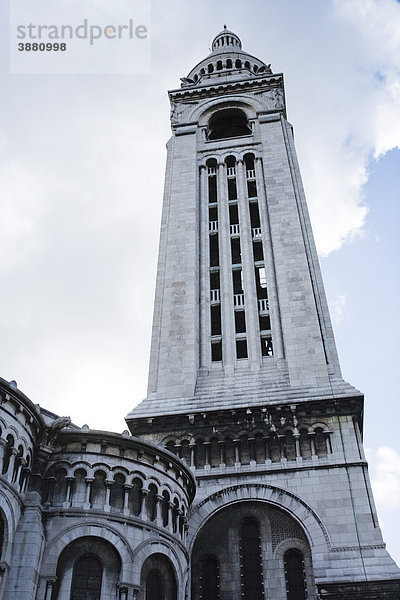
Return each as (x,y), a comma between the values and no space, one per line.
(225,41)
(227,62)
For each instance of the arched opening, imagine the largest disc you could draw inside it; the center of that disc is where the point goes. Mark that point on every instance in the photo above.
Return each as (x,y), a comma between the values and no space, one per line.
(305,446)
(79,488)
(238,548)
(200,454)
(135,497)
(60,487)
(228,123)
(296,586)
(117,493)
(7,453)
(320,442)
(86,579)
(158,578)
(165,508)
(87,569)
(152,502)
(98,490)
(229,64)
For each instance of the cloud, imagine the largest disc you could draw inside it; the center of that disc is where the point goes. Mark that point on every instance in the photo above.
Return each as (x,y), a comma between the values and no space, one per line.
(338,308)
(344,106)
(384,466)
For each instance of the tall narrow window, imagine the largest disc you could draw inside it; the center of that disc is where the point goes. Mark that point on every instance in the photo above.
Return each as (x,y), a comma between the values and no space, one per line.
(154,586)
(252,188)
(214,250)
(296,588)
(216,319)
(216,351)
(254,215)
(252,585)
(240,321)
(86,579)
(236,252)
(209,578)
(212,180)
(258,250)
(266,346)
(241,348)
(232,189)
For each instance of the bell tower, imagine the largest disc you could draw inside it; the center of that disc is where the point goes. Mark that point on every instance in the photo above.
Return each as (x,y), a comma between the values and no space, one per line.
(244,380)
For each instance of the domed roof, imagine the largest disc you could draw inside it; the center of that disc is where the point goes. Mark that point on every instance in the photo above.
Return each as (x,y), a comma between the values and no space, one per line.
(227,60)
(226,40)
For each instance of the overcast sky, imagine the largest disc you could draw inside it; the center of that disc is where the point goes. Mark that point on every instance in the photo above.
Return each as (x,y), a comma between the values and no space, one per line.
(81,175)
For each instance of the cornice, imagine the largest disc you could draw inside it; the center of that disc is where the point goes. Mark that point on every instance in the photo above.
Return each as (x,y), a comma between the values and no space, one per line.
(243,85)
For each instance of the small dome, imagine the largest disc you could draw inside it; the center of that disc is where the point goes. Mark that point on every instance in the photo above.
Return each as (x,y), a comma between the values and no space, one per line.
(225,41)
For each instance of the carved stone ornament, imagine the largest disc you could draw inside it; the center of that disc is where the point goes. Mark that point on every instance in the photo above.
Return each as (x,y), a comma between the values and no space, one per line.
(180,112)
(54,429)
(273,99)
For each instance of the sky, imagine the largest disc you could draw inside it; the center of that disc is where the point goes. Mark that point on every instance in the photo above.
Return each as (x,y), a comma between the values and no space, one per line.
(82,161)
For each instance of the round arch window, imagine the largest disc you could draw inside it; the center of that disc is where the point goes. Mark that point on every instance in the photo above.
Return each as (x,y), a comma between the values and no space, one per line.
(228,123)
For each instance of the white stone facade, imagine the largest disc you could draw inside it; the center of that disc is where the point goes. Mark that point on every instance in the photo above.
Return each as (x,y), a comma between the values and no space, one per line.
(244,476)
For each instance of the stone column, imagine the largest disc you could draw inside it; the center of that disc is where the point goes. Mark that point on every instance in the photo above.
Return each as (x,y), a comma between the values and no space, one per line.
(249,283)
(11,464)
(159,517)
(122,592)
(207,454)
(221,444)
(107,506)
(25,479)
(277,340)
(311,435)
(237,452)
(127,487)
(328,443)
(144,515)
(89,481)
(50,584)
(171,507)
(69,479)
(192,456)
(2,446)
(296,436)
(252,449)
(228,325)
(22,463)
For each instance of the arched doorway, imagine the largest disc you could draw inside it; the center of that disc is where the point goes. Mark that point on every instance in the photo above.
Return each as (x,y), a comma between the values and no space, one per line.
(87,569)
(158,579)
(248,549)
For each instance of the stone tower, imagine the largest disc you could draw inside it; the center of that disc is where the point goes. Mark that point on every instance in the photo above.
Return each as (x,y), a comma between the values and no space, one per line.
(245,384)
